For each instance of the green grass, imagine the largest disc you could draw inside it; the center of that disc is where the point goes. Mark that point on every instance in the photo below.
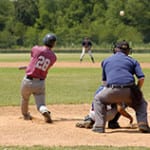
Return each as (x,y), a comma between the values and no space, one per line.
(63,85)
(99,57)
(14,57)
(141,57)
(146,86)
(10,86)
(73,57)
(70,57)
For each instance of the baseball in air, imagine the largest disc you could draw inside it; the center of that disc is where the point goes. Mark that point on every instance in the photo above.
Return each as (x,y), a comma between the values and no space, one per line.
(122,13)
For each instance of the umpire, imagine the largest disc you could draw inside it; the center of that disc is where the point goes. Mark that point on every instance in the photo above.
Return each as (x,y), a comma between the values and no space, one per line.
(118,73)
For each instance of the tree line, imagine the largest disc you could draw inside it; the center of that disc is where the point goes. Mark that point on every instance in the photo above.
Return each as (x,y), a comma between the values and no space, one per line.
(23,23)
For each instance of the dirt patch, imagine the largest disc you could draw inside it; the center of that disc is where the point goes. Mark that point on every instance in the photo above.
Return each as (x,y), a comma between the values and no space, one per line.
(15,131)
(63,64)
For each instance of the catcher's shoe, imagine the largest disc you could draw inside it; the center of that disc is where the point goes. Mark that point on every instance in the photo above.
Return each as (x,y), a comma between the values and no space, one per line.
(27,116)
(86,123)
(113,125)
(47,117)
(144,128)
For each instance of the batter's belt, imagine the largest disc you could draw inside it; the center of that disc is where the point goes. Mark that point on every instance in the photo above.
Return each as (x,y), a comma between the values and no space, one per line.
(32,78)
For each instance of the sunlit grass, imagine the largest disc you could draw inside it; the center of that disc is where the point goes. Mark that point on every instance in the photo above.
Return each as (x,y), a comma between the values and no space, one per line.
(70,57)
(63,85)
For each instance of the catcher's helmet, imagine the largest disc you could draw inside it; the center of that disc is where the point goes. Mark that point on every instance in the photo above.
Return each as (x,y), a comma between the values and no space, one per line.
(49,40)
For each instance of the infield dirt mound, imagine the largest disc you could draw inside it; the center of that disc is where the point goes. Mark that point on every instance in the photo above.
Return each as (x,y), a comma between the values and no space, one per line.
(14,131)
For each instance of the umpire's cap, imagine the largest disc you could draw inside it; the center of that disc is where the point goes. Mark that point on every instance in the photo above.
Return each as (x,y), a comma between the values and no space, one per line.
(123,45)
(49,39)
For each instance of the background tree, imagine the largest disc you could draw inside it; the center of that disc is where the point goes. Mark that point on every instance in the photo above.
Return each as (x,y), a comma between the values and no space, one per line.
(26,11)
(25,22)
(6,15)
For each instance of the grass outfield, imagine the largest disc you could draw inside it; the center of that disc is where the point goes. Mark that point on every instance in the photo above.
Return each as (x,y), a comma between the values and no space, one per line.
(63,85)
(69,57)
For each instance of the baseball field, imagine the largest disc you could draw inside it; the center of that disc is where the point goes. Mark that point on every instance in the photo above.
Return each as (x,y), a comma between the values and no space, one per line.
(70,87)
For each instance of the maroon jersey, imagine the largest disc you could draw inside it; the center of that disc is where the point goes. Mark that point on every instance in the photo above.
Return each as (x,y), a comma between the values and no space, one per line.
(42,58)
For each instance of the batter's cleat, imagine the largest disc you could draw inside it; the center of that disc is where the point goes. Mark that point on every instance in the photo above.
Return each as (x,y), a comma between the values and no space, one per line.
(47,117)
(144,128)
(27,116)
(113,125)
(86,123)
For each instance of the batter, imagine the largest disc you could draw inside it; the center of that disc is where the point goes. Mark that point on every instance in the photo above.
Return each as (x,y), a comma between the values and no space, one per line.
(42,59)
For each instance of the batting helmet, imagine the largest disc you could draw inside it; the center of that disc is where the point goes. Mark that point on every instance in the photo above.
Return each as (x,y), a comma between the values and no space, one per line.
(49,40)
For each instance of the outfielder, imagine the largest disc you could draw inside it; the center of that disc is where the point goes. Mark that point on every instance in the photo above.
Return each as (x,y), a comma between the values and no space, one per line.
(118,78)
(86,47)
(42,59)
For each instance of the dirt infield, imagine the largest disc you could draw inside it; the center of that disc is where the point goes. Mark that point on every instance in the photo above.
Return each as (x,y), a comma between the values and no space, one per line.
(63,64)
(14,131)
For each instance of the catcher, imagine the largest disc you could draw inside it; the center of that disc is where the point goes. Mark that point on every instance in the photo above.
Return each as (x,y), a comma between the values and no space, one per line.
(112,111)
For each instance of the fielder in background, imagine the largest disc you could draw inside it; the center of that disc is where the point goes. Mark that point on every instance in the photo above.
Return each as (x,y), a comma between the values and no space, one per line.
(86,47)
(118,73)
(42,59)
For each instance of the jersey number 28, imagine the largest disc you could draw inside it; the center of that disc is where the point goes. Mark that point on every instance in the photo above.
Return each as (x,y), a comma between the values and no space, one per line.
(43,63)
